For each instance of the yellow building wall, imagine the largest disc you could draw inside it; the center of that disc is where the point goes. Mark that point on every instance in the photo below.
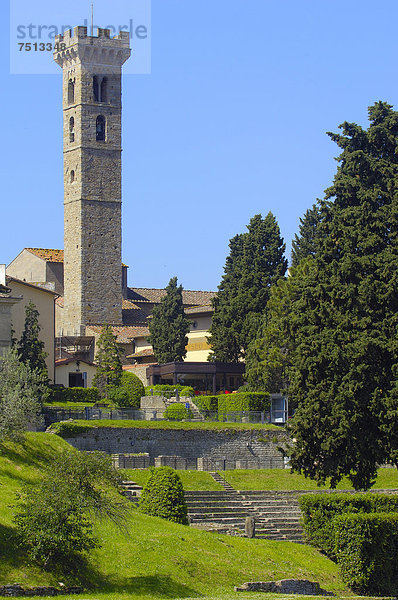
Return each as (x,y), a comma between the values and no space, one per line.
(44,302)
(62,373)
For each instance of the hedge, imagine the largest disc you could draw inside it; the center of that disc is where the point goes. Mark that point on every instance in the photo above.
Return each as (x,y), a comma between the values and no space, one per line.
(183,390)
(366,547)
(243,401)
(74,394)
(177,411)
(134,387)
(206,403)
(163,496)
(318,511)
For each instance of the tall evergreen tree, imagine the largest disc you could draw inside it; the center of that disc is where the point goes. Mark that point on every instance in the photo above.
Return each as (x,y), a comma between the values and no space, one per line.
(30,347)
(305,243)
(169,326)
(109,367)
(344,318)
(256,262)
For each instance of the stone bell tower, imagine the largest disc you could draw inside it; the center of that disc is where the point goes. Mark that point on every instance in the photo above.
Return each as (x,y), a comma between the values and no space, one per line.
(91,70)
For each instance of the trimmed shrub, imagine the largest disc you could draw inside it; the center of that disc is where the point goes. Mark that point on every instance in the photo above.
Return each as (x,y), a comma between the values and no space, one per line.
(177,412)
(134,387)
(243,401)
(118,395)
(207,403)
(163,496)
(187,391)
(366,546)
(74,394)
(318,511)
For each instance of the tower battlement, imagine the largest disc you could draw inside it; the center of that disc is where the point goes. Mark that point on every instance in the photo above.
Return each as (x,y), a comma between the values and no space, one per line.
(99,49)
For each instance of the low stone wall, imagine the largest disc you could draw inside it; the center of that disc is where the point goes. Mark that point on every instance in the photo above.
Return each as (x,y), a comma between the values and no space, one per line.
(220,449)
(285,586)
(14,590)
(131,461)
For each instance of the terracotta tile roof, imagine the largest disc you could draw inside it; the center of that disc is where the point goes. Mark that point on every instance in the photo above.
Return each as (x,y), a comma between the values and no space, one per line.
(145,352)
(49,255)
(10,279)
(125,334)
(192,310)
(60,302)
(66,361)
(154,295)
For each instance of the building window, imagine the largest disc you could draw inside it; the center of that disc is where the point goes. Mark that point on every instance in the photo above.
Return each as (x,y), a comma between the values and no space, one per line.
(71,91)
(100,128)
(71,129)
(104,89)
(95,88)
(72,176)
(76,380)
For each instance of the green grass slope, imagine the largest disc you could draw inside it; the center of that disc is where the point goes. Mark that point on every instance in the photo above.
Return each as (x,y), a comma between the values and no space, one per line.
(153,558)
(284,479)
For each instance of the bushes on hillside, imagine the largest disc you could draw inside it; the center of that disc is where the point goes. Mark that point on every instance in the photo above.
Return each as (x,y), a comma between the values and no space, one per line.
(319,511)
(163,496)
(177,412)
(366,548)
(207,403)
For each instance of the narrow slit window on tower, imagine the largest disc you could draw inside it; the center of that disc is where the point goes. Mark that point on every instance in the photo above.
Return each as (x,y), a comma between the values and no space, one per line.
(72,176)
(71,129)
(95,88)
(104,89)
(71,91)
(100,128)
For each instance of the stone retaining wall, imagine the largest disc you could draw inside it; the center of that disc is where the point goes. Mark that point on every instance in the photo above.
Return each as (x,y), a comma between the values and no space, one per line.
(223,449)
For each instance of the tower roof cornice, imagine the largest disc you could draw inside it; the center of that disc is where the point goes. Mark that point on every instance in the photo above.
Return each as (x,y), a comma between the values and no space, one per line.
(94,50)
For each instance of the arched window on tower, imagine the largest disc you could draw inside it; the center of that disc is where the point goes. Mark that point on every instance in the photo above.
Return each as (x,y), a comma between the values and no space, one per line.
(104,89)
(71,91)
(95,89)
(71,129)
(100,129)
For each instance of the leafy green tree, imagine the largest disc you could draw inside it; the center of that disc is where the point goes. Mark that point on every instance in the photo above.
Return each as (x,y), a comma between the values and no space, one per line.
(344,318)
(30,346)
(163,496)
(21,394)
(109,367)
(169,326)
(305,243)
(54,517)
(255,263)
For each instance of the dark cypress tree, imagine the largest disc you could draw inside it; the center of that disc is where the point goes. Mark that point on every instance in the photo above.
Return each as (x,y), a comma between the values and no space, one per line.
(344,317)
(169,326)
(30,347)
(109,367)
(256,261)
(305,243)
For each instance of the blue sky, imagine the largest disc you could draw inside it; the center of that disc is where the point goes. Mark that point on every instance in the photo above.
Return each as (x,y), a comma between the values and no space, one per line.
(229,121)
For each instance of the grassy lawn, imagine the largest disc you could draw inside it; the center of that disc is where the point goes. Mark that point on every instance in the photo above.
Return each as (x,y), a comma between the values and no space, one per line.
(203,426)
(153,558)
(191,480)
(283,479)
